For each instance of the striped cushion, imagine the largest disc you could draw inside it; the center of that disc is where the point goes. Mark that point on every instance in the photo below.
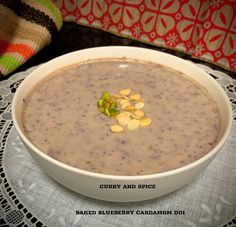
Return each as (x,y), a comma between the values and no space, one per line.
(25,28)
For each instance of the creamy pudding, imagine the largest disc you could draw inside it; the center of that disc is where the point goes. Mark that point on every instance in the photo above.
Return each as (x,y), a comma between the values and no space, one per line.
(61,118)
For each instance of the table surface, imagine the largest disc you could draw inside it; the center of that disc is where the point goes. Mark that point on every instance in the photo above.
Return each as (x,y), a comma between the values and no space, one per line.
(28,197)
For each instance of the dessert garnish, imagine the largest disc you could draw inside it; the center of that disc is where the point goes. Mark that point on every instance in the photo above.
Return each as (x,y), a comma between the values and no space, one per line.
(126,108)
(107,105)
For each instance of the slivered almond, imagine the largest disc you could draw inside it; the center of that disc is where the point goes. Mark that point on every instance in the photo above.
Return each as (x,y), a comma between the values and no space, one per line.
(130,108)
(133,124)
(116,96)
(145,122)
(116,128)
(131,116)
(139,113)
(122,101)
(125,91)
(127,113)
(124,113)
(124,105)
(139,105)
(123,120)
(135,96)
(134,116)
(127,98)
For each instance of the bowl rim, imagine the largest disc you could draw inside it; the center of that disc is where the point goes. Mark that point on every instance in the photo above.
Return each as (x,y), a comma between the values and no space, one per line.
(184,168)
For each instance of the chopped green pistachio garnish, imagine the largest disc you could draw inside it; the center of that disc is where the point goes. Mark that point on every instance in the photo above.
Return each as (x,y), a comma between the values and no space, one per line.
(107,105)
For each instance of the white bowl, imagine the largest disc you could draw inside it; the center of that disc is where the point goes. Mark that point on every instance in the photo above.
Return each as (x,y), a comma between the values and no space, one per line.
(89,183)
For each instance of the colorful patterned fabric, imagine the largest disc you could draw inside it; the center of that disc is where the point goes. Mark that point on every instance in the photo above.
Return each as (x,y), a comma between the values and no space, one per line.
(205,29)
(25,28)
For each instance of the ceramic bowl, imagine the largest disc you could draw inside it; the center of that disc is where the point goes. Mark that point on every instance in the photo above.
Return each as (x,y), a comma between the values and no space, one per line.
(89,183)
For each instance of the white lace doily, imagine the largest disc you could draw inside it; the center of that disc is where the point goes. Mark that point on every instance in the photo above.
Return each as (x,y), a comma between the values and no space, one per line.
(28,197)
